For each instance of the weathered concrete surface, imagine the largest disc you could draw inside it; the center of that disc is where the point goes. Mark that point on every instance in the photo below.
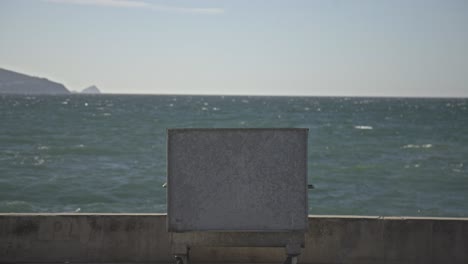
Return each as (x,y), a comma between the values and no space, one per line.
(83,238)
(125,238)
(237,179)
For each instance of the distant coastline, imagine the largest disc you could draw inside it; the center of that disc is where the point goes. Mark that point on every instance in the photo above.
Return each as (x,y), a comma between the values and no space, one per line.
(12,82)
(17,83)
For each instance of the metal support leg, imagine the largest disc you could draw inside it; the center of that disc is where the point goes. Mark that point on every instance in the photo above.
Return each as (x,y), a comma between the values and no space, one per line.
(292,250)
(290,259)
(181,254)
(182,259)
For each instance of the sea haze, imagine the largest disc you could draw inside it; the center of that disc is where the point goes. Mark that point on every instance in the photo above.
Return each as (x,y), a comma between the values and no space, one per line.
(107,153)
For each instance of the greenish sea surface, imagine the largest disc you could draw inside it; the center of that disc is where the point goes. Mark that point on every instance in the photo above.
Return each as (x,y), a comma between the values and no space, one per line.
(106,153)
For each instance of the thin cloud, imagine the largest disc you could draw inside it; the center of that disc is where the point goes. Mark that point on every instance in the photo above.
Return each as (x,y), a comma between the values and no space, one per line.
(111,3)
(139,4)
(212,11)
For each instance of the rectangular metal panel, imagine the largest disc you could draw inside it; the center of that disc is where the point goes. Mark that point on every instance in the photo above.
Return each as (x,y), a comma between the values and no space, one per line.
(237,179)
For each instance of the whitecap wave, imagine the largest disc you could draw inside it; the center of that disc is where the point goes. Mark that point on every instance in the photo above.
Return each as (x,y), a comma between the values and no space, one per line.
(417,146)
(38,161)
(364,127)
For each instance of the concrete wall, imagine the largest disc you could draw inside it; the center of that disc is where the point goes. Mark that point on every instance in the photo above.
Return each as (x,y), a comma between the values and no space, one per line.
(143,238)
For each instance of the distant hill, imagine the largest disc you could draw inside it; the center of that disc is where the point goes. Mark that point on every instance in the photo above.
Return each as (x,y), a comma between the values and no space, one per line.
(16,83)
(91,90)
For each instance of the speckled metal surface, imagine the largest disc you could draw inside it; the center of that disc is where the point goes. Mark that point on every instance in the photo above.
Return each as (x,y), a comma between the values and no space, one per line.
(237,179)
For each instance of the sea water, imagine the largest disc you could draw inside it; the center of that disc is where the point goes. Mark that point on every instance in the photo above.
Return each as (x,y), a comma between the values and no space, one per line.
(107,153)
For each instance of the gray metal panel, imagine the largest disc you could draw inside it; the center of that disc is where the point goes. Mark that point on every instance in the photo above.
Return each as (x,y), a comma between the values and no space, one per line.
(237,179)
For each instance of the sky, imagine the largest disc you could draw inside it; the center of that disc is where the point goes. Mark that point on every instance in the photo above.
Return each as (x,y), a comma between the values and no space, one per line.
(242,47)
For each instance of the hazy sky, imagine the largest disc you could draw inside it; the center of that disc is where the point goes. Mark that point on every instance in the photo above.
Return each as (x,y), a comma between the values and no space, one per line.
(261,47)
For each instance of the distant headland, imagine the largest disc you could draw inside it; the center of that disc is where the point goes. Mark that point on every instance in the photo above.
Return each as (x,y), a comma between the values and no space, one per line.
(12,82)
(91,90)
(16,83)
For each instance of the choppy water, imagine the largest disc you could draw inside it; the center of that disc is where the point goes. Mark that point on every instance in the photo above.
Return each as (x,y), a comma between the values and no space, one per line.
(106,153)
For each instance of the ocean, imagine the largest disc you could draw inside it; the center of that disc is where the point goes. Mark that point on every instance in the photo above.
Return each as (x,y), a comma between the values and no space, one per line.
(107,153)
